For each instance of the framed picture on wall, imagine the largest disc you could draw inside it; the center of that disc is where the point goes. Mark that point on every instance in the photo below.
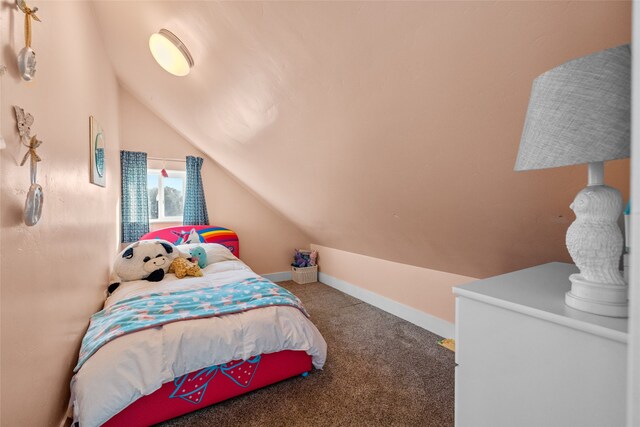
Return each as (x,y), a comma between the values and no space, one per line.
(98,163)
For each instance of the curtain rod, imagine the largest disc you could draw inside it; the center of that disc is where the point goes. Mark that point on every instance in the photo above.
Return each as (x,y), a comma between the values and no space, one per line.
(166,160)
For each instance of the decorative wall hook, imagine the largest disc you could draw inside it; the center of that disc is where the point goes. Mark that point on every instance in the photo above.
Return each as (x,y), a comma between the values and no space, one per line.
(27,57)
(23,121)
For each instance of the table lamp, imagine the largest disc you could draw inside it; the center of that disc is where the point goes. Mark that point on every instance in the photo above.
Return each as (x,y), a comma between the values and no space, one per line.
(579,112)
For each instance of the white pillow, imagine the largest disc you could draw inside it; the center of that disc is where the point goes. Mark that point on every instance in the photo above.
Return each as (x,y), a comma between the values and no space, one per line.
(226,266)
(215,252)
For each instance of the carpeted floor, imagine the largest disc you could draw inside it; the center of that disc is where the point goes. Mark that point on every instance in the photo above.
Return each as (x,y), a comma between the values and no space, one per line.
(380,371)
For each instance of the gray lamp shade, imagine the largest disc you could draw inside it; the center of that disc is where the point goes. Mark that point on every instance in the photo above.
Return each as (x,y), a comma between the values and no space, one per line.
(579,112)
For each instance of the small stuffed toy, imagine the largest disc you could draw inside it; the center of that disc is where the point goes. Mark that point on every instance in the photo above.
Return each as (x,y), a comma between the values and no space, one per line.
(301,259)
(143,260)
(304,258)
(199,256)
(183,267)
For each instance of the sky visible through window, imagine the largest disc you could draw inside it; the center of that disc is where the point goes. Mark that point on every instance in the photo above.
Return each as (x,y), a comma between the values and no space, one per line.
(172,188)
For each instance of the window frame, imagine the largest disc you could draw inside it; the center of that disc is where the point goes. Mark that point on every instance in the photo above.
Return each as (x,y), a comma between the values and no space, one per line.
(172,174)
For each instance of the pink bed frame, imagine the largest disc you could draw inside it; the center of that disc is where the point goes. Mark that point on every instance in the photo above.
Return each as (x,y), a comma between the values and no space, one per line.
(163,404)
(213,385)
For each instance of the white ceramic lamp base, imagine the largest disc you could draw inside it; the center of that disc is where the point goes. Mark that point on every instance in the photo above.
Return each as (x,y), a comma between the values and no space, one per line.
(595,243)
(597,298)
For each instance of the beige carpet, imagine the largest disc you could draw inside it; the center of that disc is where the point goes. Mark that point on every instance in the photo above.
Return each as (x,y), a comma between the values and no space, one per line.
(380,371)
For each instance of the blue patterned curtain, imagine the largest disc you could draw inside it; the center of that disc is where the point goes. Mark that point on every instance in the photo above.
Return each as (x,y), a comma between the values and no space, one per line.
(135,200)
(195,207)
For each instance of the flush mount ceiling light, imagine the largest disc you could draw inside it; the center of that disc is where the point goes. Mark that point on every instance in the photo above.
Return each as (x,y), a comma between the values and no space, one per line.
(170,53)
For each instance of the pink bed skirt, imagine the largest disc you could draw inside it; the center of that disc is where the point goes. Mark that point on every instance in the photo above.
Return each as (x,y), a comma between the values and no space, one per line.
(168,401)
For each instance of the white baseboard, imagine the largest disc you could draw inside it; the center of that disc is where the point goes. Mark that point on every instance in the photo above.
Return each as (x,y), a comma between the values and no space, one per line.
(410,314)
(278,277)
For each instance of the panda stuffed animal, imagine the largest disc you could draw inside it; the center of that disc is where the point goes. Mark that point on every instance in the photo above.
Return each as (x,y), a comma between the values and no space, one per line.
(143,260)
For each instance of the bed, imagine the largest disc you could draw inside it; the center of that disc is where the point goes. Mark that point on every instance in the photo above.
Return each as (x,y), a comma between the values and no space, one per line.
(162,372)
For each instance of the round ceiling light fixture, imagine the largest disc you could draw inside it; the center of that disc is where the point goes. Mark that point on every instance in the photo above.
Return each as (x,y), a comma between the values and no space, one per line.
(170,53)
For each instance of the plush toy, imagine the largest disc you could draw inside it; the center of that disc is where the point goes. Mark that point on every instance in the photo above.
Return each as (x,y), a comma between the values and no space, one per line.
(299,260)
(183,267)
(143,260)
(199,256)
(304,258)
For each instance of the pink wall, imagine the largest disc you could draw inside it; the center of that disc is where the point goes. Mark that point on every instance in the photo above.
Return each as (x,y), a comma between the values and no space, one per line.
(421,288)
(267,239)
(388,129)
(54,274)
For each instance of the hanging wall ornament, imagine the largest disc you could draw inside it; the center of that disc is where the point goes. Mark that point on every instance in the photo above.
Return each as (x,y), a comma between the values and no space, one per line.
(35,196)
(27,57)
(3,144)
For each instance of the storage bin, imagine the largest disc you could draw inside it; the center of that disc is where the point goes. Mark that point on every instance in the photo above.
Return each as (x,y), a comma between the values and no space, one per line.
(302,275)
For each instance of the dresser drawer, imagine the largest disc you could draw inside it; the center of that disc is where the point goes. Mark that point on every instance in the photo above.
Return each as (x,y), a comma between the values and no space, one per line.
(519,370)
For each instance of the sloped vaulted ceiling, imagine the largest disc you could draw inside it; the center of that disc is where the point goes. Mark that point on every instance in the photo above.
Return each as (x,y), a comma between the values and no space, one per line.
(383,128)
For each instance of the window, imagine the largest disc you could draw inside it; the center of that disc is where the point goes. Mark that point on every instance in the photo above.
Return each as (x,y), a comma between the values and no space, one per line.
(166,195)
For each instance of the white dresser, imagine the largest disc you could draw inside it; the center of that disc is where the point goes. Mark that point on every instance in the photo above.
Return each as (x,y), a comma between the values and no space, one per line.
(526,359)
